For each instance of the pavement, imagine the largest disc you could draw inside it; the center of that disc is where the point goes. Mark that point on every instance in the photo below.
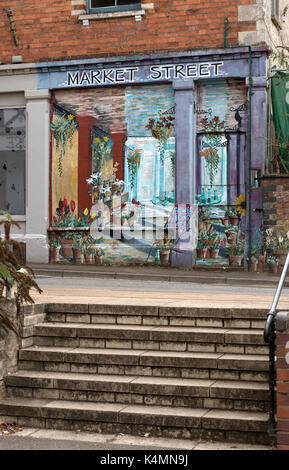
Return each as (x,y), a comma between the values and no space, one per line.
(47,439)
(142,286)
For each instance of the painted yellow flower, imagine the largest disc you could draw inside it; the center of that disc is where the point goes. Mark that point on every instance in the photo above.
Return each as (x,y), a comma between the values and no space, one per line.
(85,211)
(97,140)
(93,216)
(106,139)
(70,117)
(240,202)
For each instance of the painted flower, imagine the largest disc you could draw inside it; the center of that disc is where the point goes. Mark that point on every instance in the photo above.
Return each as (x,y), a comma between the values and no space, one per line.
(72,206)
(70,117)
(85,211)
(240,202)
(106,139)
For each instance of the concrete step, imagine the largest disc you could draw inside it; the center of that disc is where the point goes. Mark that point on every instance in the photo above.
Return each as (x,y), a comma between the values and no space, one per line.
(159,391)
(151,337)
(185,423)
(147,363)
(155,315)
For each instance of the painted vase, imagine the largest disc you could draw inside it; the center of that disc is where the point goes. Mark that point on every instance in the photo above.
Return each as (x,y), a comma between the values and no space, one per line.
(99,260)
(77,255)
(66,248)
(165,256)
(89,259)
(234,220)
(54,254)
(235,260)
(214,253)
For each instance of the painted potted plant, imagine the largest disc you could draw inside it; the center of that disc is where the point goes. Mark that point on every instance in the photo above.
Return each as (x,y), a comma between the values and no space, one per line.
(277,243)
(89,255)
(54,248)
(231,234)
(254,262)
(202,249)
(99,255)
(66,244)
(273,262)
(77,249)
(235,253)
(212,236)
(164,246)
(233,217)
(214,250)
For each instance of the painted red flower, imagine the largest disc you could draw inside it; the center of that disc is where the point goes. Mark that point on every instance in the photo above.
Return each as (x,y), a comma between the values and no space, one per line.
(72,206)
(65,203)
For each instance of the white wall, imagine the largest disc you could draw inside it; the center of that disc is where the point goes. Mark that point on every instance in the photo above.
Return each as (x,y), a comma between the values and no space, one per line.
(267,31)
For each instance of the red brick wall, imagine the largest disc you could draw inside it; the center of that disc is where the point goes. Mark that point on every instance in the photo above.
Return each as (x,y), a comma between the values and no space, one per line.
(282,341)
(276,202)
(47,30)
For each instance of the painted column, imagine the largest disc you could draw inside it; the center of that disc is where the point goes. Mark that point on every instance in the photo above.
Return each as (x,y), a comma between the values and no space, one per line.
(183,254)
(37,175)
(85,123)
(258,148)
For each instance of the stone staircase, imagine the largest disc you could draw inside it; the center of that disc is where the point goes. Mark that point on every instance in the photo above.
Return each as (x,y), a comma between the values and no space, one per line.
(187,373)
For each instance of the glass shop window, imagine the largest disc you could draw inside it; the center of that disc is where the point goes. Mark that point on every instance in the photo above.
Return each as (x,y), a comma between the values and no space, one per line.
(12,160)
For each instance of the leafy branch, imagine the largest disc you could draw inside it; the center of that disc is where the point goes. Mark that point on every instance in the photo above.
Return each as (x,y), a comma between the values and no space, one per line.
(13,274)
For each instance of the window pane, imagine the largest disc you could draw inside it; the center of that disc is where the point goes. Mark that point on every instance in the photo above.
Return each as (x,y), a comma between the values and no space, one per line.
(102,3)
(112,3)
(12,160)
(127,2)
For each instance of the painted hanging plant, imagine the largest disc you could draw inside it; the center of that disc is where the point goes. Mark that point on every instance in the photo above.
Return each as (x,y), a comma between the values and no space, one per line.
(161,129)
(63,128)
(133,162)
(210,150)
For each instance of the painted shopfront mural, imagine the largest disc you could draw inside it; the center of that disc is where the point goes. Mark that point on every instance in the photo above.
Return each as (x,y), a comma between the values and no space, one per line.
(113,173)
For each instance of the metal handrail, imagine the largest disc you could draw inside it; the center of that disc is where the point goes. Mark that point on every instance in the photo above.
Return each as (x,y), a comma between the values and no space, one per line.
(269,337)
(272,312)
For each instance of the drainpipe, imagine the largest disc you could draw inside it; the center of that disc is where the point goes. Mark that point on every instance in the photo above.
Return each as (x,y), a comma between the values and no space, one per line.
(226,27)
(250,93)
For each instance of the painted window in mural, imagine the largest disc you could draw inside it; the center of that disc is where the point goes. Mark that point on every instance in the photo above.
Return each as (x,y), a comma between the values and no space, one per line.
(12,160)
(221,143)
(112,177)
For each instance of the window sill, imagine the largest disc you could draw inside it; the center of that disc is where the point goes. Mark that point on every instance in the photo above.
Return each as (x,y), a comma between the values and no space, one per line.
(115,14)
